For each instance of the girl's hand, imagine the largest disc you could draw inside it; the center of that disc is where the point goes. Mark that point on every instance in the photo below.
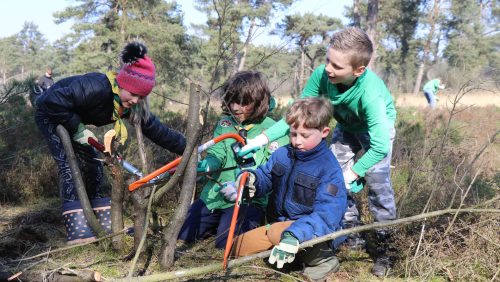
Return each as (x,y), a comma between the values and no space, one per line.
(253,145)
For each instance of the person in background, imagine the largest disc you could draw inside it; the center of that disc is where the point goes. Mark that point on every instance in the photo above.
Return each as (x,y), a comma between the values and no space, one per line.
(246,101)
(365,115)
(307,192)
(99,99)
(45,81)
(431,89)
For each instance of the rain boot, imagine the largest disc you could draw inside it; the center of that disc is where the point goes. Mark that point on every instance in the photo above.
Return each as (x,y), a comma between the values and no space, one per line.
(102,210)
(77,229)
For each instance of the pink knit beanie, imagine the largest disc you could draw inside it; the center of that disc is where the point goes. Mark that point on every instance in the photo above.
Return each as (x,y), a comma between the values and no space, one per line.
(137,74)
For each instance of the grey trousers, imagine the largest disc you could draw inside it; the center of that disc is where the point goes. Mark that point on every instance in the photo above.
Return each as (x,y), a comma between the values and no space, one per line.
(348,148)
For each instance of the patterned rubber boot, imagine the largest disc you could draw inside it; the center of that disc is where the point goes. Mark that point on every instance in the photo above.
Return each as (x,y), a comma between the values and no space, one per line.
(102,210)
(77,228)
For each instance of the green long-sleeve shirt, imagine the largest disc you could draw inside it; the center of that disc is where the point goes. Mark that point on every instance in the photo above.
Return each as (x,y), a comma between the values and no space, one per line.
(366,107)
(432,86)
(223,152)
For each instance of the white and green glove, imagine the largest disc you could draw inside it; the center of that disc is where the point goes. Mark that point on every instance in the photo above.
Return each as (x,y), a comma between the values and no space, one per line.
(229,190)
(82,135)
(349,178)
(208,164)
(253,145)
(285,251)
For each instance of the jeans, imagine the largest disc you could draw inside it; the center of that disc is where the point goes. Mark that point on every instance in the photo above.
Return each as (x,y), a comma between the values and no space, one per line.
(431,99)
(91,169)
(201,222)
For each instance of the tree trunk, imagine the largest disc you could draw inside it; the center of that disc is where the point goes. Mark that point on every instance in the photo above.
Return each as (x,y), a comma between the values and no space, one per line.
(421,68)
(171,231)
(118,191)
(302,67)
(356,16)
(78,182)
(371,20)
(139,196)
(124,20)
(245,46)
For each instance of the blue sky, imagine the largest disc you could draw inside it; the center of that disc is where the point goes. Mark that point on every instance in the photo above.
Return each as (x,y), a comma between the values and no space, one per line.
(16,12)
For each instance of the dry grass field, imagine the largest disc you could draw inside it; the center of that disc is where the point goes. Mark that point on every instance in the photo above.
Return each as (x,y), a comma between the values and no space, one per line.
(478,99)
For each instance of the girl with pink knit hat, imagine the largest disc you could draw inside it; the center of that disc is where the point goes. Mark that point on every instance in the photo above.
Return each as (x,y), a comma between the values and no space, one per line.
(99,99)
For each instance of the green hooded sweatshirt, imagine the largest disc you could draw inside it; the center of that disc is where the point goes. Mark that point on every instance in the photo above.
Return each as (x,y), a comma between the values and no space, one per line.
(432,86)
(366,107)
(223,152)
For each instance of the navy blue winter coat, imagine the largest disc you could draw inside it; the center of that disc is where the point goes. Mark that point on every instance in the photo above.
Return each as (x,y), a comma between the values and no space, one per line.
(88,99)
(307,187)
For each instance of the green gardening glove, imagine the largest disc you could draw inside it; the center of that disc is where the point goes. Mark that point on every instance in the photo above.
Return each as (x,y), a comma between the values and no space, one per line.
(82,135)
(285,251)
(208,164)
(357,185)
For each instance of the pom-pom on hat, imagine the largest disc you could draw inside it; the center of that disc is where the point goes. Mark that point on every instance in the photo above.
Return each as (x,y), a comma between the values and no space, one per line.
(137,74)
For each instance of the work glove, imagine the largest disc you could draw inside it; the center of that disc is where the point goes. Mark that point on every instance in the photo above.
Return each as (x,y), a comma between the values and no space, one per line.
(229,190)
(357,185)
(285,251)
(253,145)
(349,178)
(250,183)
(82,135)
(208,164)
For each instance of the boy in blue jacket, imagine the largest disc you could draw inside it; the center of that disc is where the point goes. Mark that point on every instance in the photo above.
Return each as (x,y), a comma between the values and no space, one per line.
(308,194)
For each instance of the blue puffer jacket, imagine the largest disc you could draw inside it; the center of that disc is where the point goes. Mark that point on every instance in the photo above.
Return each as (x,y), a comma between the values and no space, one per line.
(88,99)
(307,187)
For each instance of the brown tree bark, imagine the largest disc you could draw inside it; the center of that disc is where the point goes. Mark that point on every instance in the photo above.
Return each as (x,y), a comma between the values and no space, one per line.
(371,21)
(433,15)
(117,195)
(139,196)
(245,46)
(78,182)
(356,16)
(171,231)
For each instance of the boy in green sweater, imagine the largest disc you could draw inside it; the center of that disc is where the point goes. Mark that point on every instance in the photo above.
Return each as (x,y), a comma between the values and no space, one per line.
(365,114)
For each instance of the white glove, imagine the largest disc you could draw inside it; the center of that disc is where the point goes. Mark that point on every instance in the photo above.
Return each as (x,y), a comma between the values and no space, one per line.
(82,135)
(253,145)
(230,191)
(349,177)
(250,183)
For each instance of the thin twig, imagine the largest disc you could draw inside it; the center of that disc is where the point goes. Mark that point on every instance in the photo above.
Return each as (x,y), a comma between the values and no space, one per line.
(144,234)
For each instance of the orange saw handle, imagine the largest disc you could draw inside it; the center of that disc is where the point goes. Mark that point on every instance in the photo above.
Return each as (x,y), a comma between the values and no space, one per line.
(177,161)
(234,219)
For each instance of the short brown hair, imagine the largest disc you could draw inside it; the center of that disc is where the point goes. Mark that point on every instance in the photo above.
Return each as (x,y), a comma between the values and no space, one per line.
(310,112)
(246,87)
(356,43)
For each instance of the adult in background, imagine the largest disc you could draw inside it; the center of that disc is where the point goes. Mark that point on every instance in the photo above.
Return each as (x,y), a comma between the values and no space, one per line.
(45,81)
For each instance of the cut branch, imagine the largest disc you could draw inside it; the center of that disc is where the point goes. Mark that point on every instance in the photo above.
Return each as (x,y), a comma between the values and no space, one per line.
(183,273)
